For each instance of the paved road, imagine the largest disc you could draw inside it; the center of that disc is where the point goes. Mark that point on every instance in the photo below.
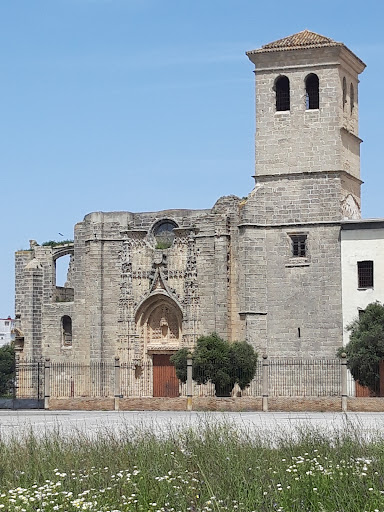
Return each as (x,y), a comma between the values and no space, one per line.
(99,423)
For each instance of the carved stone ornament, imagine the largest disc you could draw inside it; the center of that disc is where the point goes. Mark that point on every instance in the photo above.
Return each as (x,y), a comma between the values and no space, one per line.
(350,209)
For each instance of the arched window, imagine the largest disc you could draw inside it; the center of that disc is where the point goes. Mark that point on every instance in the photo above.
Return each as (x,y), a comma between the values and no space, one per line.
(63,267)
(163,232)
(344,92)
(66,329)
(352,97)
(282,94)
(312,92)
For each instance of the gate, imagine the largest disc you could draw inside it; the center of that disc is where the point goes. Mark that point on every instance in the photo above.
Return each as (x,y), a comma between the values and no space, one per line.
(24,388)
(165,381)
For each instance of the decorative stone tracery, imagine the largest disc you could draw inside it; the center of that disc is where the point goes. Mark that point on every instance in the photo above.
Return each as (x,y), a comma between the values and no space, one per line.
(159,320)
(158,306)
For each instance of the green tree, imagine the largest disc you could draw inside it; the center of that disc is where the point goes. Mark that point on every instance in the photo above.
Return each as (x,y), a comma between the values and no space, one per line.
(365,349)
(179,360)
(7,369)
(220,362)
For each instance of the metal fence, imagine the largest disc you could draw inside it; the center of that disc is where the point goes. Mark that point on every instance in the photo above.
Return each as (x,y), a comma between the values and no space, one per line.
(23,388)
(284,378)
(209,389)
(304,377)
(136,379)
(70,379)
(29,379)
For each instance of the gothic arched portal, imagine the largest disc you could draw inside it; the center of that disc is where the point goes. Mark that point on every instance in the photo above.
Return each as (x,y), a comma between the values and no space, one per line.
(159,324)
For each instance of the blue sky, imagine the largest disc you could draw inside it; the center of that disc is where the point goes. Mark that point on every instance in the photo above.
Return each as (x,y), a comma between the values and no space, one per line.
(144,105)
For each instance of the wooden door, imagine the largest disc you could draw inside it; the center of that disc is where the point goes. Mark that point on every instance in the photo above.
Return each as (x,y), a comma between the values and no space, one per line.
(165,382)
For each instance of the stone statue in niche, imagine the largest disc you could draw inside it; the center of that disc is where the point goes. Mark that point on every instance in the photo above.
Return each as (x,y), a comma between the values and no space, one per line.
(163,326)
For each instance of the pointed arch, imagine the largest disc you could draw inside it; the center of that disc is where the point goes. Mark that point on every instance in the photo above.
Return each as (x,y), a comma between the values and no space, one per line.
(159,319)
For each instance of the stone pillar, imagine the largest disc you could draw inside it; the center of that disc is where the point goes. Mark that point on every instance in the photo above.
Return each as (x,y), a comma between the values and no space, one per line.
(221,284)
(47,387)
(253,286)
(265,383)
(189,382)
(344,396)
(117,384)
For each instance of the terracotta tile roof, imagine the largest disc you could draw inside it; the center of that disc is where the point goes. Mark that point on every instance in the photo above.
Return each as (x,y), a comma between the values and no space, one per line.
(304,38)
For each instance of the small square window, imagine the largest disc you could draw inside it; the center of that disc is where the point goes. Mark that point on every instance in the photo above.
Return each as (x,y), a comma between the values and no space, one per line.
(365,274)
(299,246)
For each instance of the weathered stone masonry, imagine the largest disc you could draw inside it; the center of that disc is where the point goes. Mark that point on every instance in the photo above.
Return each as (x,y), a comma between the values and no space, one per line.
(265,269)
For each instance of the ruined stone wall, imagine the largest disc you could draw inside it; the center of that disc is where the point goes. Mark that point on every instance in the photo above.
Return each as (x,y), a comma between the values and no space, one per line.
(117,267)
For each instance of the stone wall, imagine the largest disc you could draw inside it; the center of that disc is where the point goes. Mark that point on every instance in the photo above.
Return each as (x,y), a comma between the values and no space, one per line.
(282,404)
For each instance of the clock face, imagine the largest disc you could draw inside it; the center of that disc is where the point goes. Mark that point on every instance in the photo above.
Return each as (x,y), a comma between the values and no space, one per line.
(350,209)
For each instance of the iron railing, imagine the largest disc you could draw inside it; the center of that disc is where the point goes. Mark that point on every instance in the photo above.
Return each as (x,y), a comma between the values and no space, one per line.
(29,379)
(70,379)
(304,377)
(284,377)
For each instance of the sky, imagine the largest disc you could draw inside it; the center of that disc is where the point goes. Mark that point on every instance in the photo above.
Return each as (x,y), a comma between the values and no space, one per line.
(144,105)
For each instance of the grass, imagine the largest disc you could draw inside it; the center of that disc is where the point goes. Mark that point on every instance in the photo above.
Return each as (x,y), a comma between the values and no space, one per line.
(54,243)
(164,245)
(211,468)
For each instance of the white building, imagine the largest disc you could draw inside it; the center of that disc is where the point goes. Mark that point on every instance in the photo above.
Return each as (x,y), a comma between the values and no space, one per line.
(6,325)
(362,266)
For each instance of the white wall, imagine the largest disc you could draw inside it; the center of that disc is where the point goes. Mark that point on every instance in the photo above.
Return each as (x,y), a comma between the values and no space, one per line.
(361,244)
(6,325)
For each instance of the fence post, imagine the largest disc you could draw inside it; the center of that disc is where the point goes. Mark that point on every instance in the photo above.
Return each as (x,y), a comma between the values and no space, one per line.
(344,395)
(189,382)
(47,386)
(15,393)
(265,383)
(117,383)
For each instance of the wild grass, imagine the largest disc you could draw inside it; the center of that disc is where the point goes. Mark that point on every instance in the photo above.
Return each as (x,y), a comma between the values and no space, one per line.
(213,467)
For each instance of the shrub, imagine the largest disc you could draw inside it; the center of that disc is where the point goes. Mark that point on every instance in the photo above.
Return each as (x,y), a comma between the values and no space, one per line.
(222,363)
(7,369)
(365,349)
(53,243)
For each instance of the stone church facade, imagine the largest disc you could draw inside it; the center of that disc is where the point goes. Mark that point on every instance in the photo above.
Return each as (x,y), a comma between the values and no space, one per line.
(266,269)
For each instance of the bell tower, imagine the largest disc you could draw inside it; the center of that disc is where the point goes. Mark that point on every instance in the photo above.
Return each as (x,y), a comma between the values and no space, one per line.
(307,177)
(307,119)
